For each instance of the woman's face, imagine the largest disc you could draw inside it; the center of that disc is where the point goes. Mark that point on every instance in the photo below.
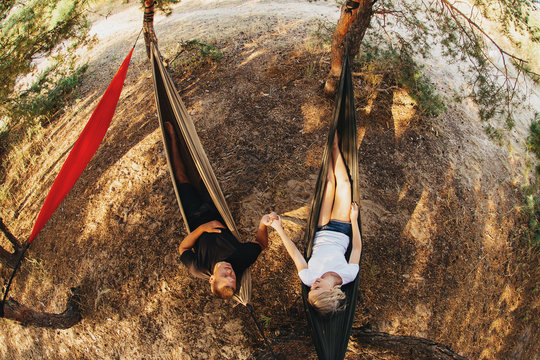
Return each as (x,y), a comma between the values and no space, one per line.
(319,286)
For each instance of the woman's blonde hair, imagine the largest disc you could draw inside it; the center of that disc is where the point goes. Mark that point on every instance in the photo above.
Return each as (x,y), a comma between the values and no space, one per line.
(329,302)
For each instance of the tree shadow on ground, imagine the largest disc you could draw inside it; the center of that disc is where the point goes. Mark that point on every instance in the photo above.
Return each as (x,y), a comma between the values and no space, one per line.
(435,246)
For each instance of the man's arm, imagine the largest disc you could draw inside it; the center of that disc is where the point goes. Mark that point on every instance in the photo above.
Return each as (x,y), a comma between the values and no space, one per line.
(262,236)
(295,255)
(262,233)
(190,240)
(356,238)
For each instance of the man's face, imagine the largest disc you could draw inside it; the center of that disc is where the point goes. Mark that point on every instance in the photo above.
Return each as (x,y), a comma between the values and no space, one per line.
(224,275)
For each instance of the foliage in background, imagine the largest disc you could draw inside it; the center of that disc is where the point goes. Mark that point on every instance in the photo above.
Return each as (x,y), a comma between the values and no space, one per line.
(36,107)
(399,69)
(32,29)
(162,5)
(532,212)
(420,27)
(49,94)
(382,66)
(194,53)
(321,37)
(512,15)
(30,32)
(533,141)
(532,192)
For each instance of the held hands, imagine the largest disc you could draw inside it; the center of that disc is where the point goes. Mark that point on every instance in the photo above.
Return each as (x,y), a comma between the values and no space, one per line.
(272,219)
(268,218)
(213,226)
(354,212)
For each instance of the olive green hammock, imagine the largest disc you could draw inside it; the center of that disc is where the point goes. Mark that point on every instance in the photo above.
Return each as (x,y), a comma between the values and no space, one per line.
(171,109)
(331,334)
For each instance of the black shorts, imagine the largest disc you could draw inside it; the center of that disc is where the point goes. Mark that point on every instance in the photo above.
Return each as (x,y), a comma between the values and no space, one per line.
(198,205)
(337,226)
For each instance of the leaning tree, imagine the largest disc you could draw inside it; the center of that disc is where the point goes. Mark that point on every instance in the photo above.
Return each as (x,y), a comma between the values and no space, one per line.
(457,29)
(148,20)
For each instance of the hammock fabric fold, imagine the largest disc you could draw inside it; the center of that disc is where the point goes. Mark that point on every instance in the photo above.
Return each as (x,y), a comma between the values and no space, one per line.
(331,334)
(172,109)
(84,148)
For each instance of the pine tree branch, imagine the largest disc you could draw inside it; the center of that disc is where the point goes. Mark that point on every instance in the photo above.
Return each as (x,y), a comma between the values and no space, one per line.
(453,9)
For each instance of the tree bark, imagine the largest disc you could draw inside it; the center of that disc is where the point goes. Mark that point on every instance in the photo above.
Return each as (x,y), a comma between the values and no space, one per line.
(26,316)
(148,25)
(12,239)
(8,259)
(409,347)
(351,26)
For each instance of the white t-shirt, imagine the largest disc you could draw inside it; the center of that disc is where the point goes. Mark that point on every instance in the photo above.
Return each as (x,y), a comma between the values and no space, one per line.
(328,254)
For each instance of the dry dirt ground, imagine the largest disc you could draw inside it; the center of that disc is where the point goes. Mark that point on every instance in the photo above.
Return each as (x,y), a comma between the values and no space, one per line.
(442,256)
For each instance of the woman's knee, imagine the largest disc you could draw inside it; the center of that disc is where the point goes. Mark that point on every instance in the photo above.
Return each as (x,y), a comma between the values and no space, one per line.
(330,179)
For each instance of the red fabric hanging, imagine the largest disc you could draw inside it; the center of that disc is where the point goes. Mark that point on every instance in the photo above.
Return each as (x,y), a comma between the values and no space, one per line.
(84,148)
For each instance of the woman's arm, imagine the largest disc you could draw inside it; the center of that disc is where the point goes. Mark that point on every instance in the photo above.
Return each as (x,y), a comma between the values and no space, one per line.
(295,255)
(356,238)
(210,227)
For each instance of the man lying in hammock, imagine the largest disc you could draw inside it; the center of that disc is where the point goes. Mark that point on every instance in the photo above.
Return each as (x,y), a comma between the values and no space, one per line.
(211,251)
(327,269)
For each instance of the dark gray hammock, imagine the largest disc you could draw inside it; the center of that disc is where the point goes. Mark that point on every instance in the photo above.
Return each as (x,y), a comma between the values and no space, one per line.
(171,109)
(331,334)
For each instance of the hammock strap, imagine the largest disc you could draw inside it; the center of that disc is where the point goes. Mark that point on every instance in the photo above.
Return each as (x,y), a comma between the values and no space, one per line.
(251,312)
(137,39)
(17,265)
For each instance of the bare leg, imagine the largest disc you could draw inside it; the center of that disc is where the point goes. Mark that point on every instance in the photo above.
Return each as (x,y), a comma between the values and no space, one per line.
(342,197)
(328,196)
(178,166)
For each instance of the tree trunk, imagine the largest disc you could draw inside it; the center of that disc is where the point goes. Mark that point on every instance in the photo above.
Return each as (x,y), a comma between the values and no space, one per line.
(26,316)
(351,26)
(8,259)
(409,347)
(12,239)
(148,25)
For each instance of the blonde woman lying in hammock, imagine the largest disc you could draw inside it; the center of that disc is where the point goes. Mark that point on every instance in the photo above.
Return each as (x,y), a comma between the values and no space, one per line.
(327,269)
